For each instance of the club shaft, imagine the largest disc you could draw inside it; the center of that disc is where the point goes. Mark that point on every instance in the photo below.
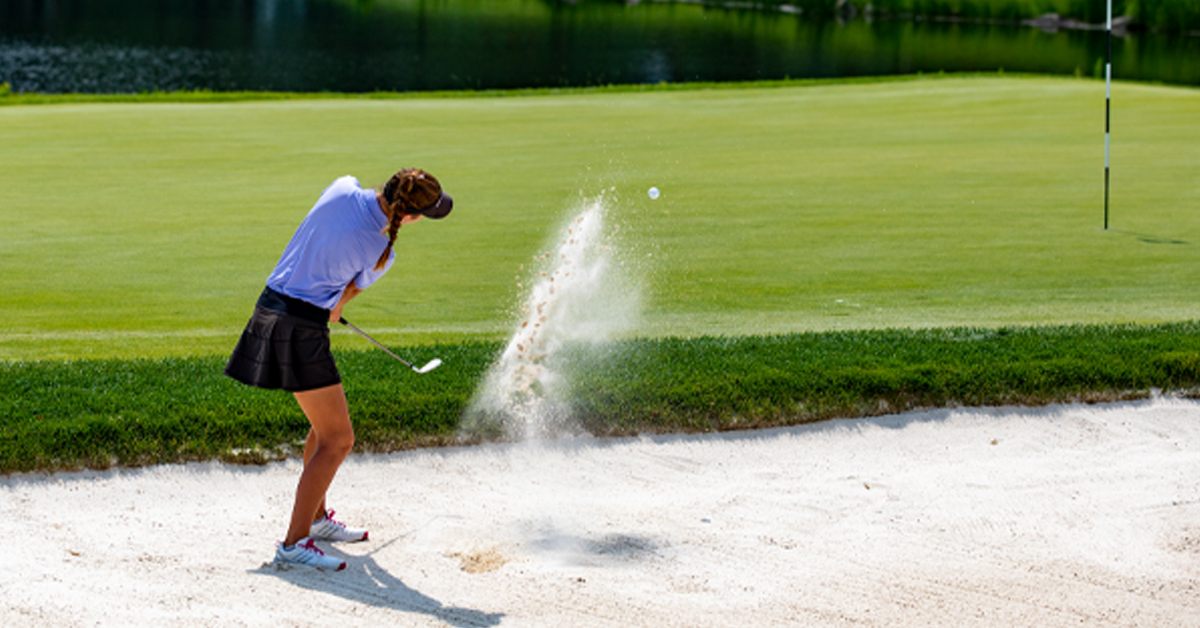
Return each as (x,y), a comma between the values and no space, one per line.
(375,342)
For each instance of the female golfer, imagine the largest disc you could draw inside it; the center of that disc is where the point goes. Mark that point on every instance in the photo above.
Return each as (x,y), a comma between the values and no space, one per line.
(342,247)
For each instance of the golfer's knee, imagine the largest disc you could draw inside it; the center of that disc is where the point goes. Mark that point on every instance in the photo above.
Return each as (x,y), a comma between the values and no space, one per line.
(340,442)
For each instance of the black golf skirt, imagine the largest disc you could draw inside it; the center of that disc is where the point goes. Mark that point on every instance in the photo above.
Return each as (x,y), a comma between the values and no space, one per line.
(284,346)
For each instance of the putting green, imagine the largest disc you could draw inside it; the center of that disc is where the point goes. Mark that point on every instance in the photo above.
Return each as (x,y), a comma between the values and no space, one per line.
(148,229)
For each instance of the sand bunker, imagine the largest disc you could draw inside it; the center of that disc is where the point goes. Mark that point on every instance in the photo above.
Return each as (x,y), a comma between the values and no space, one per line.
(1061,516)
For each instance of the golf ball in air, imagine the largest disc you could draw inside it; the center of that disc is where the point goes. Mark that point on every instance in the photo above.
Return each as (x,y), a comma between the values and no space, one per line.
(653,193)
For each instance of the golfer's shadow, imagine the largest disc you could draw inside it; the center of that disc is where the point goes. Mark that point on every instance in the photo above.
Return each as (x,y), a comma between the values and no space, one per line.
(365,582)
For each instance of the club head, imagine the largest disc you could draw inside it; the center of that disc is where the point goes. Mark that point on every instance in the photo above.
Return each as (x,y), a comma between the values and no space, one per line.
(434,363)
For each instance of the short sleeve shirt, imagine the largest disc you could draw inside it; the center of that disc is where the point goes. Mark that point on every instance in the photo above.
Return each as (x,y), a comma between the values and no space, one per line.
(340,240)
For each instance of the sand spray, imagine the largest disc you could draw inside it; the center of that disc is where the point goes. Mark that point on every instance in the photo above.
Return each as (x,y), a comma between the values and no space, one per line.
(581,293)
(576,297)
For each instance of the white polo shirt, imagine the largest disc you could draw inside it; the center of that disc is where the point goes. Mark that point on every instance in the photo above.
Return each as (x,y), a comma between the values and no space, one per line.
(340,240)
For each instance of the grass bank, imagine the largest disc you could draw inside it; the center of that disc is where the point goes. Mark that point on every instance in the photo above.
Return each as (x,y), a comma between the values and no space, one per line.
(198,96)
(98,413)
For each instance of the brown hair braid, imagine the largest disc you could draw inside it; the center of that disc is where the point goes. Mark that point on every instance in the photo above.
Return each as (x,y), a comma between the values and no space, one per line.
(408,192)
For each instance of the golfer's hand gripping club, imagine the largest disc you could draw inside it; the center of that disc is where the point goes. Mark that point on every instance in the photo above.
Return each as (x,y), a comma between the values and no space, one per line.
(434,363)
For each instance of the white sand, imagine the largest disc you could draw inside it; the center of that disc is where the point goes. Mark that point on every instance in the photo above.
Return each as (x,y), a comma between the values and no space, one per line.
(1062,516)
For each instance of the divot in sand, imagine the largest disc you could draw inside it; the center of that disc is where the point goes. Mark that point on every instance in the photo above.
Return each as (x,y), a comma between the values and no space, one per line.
(482,561)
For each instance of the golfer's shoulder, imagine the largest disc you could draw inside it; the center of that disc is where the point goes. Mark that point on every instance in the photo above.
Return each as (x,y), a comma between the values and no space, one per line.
(342,193)
(343,186)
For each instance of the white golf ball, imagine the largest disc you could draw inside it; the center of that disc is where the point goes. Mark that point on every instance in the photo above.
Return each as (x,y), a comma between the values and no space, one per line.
(653,193)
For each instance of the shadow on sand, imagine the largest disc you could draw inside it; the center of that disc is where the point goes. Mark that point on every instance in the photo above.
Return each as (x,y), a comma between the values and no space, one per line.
(365,582)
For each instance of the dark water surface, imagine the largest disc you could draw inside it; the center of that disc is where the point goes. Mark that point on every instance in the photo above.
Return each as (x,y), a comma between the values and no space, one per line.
(403,45)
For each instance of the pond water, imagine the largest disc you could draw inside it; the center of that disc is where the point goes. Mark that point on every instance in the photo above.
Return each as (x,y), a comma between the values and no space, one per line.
(365,45)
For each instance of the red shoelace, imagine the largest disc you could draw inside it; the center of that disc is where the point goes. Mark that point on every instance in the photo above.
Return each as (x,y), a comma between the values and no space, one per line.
(329,516)
(311,545)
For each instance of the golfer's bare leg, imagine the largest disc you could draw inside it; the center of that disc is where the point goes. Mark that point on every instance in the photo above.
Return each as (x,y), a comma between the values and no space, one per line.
(310,446)
(333,438)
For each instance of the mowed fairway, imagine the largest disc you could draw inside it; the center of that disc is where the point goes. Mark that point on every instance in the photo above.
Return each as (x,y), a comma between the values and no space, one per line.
(132,230)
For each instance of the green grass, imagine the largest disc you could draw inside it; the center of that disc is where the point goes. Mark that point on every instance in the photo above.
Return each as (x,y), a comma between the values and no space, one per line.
(130,412)
(825,250)
(146,230)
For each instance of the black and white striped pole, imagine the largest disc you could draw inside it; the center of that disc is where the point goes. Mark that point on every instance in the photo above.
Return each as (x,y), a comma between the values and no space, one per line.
(1107,108)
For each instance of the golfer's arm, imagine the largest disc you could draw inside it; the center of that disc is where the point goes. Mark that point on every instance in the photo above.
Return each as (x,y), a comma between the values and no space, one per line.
(350,292)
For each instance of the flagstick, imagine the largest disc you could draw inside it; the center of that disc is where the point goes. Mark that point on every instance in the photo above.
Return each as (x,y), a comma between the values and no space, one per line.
(1107,109)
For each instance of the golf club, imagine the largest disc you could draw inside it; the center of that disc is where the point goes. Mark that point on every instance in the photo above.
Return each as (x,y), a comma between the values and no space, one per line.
(434,363)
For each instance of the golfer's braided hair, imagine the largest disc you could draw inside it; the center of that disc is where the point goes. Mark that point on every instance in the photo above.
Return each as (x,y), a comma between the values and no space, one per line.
(408,192)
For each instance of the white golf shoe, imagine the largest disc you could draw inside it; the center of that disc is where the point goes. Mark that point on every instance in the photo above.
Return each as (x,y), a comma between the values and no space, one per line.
(305,552)
(329,529)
